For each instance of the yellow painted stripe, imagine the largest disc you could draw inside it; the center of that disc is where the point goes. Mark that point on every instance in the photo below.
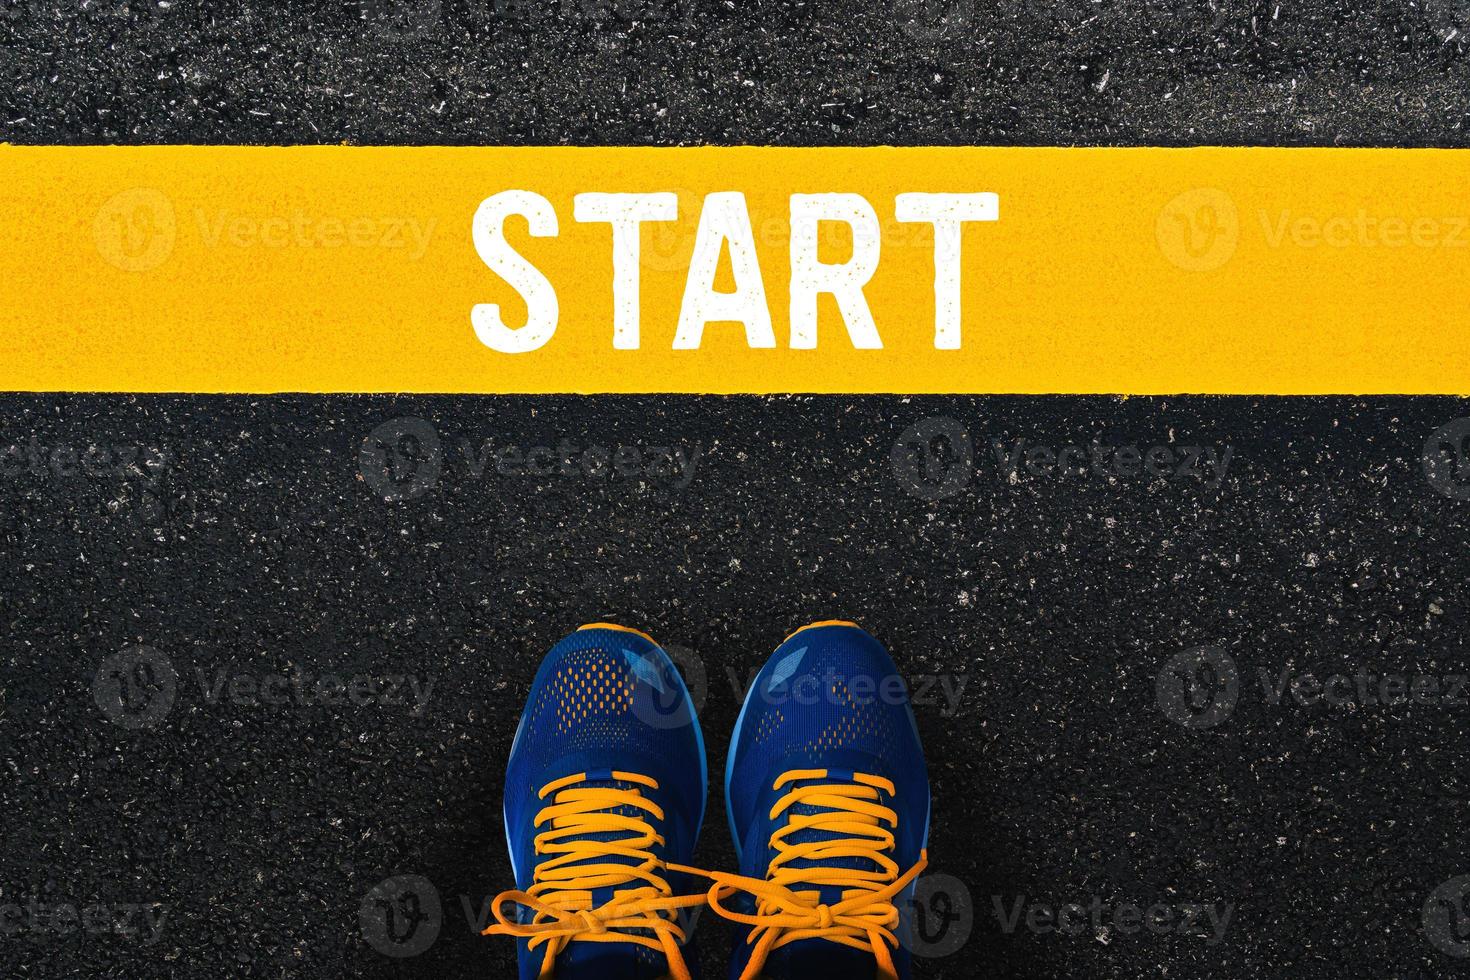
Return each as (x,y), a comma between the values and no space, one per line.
(339,269)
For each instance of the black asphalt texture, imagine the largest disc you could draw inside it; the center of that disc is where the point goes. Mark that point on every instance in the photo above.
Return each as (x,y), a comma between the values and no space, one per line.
(265,655)
(166,557)
(1049,72)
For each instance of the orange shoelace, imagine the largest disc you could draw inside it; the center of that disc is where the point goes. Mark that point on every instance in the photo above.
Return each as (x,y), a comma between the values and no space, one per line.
(788,907)
(643,911)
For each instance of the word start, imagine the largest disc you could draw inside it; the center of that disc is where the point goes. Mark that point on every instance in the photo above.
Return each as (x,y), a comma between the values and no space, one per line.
(724,223)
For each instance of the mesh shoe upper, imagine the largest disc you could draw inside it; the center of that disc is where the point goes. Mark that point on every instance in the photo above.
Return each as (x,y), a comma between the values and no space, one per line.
(829,699)
(607,700)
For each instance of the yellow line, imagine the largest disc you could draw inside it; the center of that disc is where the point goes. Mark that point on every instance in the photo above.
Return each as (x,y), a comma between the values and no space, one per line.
(342,269)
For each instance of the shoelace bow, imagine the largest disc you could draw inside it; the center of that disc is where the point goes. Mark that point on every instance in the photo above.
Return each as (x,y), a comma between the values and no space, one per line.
(788,907)
(645,914)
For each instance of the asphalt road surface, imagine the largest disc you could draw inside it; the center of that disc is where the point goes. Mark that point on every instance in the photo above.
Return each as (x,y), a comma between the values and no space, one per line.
(1049,72)
(1193,699)
(264,654)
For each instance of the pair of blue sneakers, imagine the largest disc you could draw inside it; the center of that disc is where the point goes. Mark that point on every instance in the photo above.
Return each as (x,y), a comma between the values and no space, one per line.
(605,793)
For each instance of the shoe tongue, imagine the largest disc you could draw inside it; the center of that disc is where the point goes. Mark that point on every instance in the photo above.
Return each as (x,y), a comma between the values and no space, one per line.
(604,780)
(829,894)
(820,959)
(612,961)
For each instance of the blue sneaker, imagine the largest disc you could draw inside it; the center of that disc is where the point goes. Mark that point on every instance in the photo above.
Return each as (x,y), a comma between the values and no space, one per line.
(829,808)
(604,796)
